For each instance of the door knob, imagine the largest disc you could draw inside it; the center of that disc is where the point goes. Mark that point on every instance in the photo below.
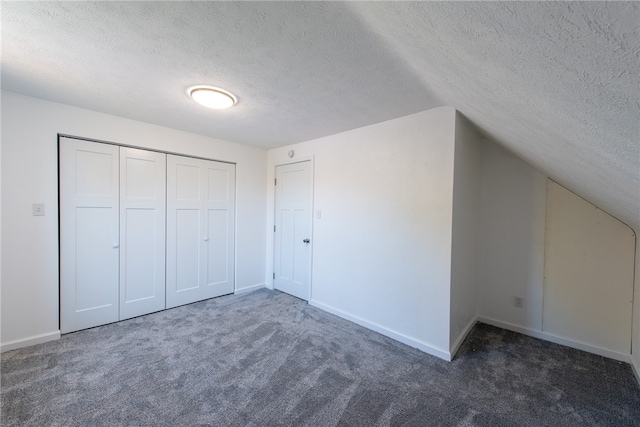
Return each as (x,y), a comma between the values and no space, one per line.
(116,246)
(306,241)
(206,239)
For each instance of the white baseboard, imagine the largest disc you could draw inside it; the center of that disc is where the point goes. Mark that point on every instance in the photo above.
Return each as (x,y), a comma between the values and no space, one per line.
(622,357)
(26,342)
(420,345)
(635,367)
(458,342)
(249,288)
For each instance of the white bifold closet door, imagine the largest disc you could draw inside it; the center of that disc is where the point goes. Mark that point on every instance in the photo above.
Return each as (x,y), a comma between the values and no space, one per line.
(112,233)
(89,236)
(200,229)
(142,231)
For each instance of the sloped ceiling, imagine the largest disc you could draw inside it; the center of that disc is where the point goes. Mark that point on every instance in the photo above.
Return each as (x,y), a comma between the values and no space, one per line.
(556,83)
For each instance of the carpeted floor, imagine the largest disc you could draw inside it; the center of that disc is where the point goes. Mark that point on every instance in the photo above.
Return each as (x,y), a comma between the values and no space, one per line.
(266,358)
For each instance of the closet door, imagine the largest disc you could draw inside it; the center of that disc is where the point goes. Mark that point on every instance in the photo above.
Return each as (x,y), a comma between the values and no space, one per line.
(142,231)
(219,207)
(88,234)
(200,229)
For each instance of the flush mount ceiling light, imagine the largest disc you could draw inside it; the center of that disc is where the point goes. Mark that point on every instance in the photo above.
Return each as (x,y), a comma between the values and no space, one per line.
(212,97)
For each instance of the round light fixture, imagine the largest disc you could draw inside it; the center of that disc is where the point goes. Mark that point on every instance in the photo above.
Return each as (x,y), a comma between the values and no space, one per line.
(212,97)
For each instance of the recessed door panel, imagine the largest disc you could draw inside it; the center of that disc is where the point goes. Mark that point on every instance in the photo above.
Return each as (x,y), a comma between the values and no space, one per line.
(94,174)
(300,256)
(294,185)
(94,277)
(218,248)
(142,177)
(187,182)
(188,246)
(140,261)
(287,244)
(218,185)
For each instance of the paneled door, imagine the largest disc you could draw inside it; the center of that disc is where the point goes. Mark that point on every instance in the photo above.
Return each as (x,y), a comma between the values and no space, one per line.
(142,231)
(89,239)
(200,229)
(292,252)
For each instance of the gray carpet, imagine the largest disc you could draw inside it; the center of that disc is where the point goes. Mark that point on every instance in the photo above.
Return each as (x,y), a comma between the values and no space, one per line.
(266,358)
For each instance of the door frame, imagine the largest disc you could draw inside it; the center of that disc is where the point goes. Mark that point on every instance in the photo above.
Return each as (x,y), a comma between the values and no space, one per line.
(271,241)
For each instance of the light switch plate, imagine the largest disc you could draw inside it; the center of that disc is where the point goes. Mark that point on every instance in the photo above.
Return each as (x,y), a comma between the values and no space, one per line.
(38,209)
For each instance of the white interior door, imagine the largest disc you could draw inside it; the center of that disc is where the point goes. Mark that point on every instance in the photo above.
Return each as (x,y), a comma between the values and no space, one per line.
(142,231)
(200,229)
(89,238)
(292,252)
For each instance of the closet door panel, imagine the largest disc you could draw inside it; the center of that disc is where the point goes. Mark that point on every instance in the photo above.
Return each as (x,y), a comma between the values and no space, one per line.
(142,229)
(89,240)
(93,278)
(218,250)
(139,258)
(187,177)
(220,205)
(200,226)
(219,180)
(185,231)
(188,249)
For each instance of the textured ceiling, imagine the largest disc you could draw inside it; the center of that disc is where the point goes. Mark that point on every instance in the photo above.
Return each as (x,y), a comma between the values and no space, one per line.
(556,82)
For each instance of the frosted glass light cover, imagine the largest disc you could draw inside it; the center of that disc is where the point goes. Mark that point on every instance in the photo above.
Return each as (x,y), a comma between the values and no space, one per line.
(212,97)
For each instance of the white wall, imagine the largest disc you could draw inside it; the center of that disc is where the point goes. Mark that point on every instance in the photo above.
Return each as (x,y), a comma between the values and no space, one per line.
(382,249)
(511,260)
(511,257)
(466,222)
(588,278)
(29,294)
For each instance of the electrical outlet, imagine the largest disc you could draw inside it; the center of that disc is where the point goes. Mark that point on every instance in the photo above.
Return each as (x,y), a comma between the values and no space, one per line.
(38,209)
(518,302)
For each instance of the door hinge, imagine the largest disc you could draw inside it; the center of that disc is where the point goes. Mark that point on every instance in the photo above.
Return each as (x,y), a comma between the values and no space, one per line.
(274,228)
(275,181)
(274,276)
